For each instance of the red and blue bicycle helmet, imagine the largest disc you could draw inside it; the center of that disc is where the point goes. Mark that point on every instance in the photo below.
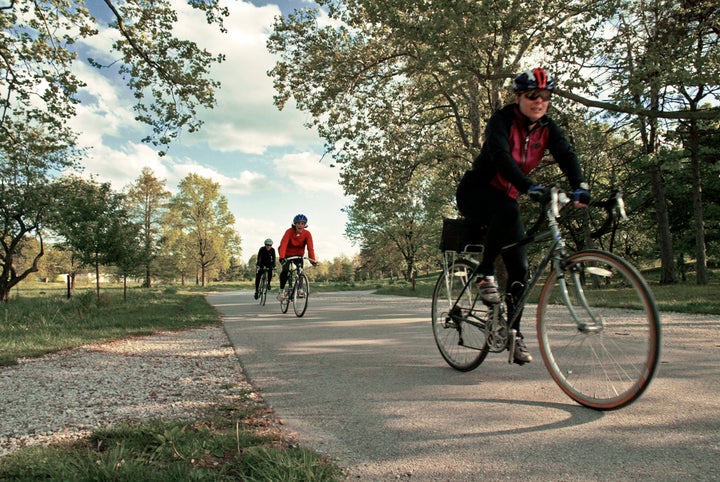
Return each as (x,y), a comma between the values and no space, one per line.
(534,79)
(300,218)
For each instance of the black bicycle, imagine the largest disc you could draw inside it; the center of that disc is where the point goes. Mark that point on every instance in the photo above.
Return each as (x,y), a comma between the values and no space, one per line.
(297,287)
(264,285)
(601,356)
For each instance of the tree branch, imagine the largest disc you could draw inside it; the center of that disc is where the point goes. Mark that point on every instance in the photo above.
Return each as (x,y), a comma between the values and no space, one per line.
(706,114)
(142,53)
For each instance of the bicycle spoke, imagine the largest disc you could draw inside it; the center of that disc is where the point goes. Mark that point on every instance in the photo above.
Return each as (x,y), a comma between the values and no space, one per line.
(461,344)
(602,357)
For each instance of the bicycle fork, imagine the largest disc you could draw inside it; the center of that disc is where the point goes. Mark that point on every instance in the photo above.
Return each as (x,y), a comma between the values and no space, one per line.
(597,324)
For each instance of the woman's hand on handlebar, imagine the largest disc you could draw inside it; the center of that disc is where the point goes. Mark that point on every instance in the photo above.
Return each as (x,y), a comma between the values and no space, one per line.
(581,196)
(536,192)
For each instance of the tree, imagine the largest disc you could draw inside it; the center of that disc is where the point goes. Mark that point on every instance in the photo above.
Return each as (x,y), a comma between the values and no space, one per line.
(169,78)
(201,213)
(147,199)
(27,193)
(632,67)
(92,219)
(341,269)
(127,254)
(177,252)
(56,262)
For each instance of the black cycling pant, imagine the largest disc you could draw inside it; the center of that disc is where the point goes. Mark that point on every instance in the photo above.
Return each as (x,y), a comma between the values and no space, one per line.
(487,206)
(284,273)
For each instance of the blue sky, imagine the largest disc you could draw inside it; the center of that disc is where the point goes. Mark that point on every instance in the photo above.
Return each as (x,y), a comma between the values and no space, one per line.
(266,162)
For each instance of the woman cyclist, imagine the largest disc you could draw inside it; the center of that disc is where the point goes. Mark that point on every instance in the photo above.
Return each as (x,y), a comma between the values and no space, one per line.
(293,243)
(516,139)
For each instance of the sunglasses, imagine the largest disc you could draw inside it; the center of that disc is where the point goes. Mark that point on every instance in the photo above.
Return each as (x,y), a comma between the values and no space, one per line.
(533,94)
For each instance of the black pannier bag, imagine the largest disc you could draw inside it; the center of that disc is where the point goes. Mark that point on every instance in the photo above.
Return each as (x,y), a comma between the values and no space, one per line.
(457,235)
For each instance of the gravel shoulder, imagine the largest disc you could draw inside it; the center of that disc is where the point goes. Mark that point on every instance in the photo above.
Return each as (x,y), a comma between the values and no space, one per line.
(64,396)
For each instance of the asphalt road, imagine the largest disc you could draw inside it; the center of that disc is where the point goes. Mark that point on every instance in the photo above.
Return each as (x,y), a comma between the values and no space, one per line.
(360,379)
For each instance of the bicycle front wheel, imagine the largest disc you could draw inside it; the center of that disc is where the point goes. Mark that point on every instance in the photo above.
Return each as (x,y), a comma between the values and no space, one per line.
(302,293)
(285,300)
(263,289)
(601,356)
(463,345)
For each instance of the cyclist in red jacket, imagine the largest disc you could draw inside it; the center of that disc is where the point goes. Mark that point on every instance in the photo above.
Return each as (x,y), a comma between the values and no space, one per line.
(293,243)
(516,139)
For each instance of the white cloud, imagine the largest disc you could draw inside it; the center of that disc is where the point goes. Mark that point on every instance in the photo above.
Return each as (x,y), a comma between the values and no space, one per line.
(245,119)
(103,111)
(246,183)
(305,171)
(122,164)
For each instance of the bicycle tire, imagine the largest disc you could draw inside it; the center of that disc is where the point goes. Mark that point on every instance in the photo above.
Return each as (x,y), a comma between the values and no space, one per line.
(609,366)
(462,345)
(263,289)
(285,302)
(267,287)
(300,302)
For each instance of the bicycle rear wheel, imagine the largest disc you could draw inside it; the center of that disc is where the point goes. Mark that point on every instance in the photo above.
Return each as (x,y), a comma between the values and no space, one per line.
(302,293)
(608,357)
(263,289)
(461,344)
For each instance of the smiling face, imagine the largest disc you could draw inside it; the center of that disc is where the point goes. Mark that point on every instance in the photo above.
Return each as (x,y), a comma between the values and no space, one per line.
(533,103)
(299,226)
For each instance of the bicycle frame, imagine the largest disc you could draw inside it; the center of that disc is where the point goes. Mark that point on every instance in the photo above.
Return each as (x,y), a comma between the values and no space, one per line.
(556,253)
(294,273)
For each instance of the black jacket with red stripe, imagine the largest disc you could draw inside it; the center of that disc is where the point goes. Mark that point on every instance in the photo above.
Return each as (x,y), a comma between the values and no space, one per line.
(512,150)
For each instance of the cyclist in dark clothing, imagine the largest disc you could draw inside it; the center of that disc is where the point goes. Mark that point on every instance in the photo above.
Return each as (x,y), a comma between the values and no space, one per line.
(516,139)
(265,259)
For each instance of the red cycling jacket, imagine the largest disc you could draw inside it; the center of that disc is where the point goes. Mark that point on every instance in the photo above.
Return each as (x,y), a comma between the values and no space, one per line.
(511,151)
(293,244)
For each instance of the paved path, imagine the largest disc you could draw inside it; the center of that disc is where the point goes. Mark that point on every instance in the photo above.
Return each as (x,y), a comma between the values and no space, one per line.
(360,379)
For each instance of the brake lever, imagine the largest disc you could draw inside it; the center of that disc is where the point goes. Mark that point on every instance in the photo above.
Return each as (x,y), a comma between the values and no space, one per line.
(620,203)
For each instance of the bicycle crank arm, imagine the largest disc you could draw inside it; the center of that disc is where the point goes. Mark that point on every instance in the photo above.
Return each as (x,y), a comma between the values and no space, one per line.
(511,346)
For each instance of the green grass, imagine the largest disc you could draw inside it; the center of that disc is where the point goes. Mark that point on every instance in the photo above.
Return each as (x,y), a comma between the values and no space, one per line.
(224,444)
(45,322)
(211,449)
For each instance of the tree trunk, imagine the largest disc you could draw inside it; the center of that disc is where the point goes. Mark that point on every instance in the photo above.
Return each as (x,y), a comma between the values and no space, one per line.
(97,279)
(699,216)
(667,273)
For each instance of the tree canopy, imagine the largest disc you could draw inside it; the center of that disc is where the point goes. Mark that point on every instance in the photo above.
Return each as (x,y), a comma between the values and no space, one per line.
(402,88)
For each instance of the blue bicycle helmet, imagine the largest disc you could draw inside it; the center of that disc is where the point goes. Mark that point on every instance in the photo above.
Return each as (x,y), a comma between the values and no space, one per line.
(534,79)
(268,242)
(300,218)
